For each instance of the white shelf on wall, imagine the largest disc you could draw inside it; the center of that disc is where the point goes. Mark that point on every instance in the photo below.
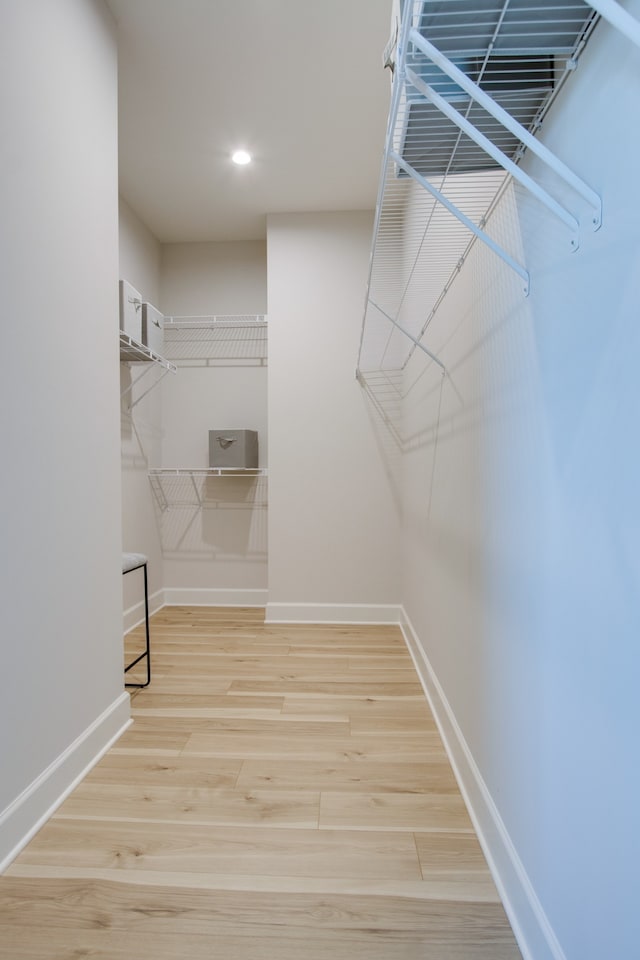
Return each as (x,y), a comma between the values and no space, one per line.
(132,351)
(208,472)
(229,339)
(166,481)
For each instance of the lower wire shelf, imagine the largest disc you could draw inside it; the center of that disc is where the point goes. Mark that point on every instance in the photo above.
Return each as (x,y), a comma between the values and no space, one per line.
(161,478)
(208,472)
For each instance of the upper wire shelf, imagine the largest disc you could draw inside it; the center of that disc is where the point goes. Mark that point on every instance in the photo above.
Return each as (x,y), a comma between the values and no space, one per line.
(217,339)
(132,351)
(473,80)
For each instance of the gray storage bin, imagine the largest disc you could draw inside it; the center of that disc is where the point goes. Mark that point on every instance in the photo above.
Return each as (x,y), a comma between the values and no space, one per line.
(152,328)
(130,311)
(233,448)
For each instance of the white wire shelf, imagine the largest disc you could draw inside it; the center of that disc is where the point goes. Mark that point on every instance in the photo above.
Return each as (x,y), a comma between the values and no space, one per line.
(132,351)
(190,486)
(473,80)
(207,472)
(228,338)
(230,320)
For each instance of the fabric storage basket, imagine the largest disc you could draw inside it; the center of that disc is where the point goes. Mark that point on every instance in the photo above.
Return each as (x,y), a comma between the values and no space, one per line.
(130,311)
(152,328)
(233,448)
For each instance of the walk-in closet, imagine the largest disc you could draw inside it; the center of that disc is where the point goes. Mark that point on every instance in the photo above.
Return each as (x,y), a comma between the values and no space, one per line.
(322,565)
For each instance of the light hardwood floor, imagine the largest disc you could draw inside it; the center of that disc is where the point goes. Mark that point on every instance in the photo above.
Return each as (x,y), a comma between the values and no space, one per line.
(283,793)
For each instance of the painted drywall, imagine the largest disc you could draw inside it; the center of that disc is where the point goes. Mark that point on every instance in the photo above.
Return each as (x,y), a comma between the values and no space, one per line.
(205,278)
(521,537)
(61,685)
(333,511)
(140,253)
(215,551)
(140,424)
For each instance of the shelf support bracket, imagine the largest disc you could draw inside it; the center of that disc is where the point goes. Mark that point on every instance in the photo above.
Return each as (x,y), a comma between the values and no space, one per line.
(511,124)
(158,490)
(463,218)
(195,490)
(619,18)
(501,158)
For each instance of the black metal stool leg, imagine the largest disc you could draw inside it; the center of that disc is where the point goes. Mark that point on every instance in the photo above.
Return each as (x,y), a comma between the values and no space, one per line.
(147,650)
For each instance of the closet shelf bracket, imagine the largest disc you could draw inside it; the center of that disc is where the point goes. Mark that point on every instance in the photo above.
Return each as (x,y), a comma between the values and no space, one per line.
(496,154)
(131,351)
(618,17)
(513,126)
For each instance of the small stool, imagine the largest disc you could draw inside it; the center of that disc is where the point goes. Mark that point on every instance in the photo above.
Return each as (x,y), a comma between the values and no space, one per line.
(134,561)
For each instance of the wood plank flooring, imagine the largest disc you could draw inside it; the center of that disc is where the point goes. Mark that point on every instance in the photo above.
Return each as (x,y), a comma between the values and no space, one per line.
(283,793)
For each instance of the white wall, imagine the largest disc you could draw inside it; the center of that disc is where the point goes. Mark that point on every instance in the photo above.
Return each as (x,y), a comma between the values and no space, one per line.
(214,552)
(140,254)
(333,516)
(140,424)
(522,535)
(61,684)
(205,278)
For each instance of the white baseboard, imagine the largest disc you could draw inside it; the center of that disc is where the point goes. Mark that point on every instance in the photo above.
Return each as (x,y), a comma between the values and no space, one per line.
(29,811)
(332,613)
(135,615)
(531,927)
(210,597)
(275,612)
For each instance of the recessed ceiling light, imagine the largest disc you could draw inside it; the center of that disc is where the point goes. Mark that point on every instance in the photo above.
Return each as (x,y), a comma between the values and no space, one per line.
(241,157)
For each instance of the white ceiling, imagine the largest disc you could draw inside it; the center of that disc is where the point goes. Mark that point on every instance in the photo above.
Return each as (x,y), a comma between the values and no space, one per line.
(298,83)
